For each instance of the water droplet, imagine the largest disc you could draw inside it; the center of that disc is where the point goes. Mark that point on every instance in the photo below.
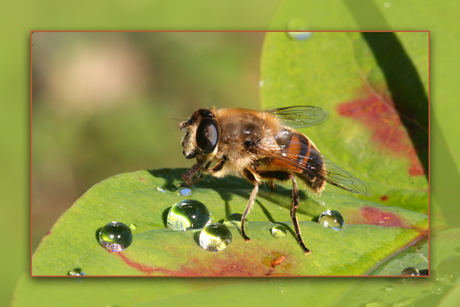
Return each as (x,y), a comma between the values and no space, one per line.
(297,29)
(404,302)
(184,192)
(438,288)
(161,189)
(234,219)
(188,214)
(215,237)
(389,288)
(281,289)
(448,271)
(278,231)
(76,272)
(410,271)
(115,237)
(331,219)
(132,227)
(261,83)
(387,4)
(376,302)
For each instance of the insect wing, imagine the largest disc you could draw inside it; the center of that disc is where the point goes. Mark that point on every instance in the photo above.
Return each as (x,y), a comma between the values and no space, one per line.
(333,174)
(300,116)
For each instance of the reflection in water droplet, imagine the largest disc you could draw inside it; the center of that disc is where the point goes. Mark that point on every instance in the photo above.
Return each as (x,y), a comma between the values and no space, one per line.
(187,215)
(331,219)
(278,231)
(376,302)
(76,272)
(132,227)
(448,271)
(410,271)
(281,289)
(215,237)
(297,29)
(115,237)
(234,219)
(184,192)
(438,288)
(161,189)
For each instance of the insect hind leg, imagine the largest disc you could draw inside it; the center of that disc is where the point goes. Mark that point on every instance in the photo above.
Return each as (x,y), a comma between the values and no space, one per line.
(295,221)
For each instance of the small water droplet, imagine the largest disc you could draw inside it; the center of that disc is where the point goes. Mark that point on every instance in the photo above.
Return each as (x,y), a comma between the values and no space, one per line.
(187,215)
(115,237)
(281,289)
(376,302)
(76,272)
(448,271)
(184,192)
(389,288)
(161,189)
(387,4)
(438,288)
(410,271)
(132,227)
(261,83)
(297,29)
(278,231)
(331,219)
(234,219)
(215,237)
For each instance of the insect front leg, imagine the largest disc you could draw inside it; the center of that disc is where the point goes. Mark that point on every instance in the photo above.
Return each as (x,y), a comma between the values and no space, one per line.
(295,221)
(190,174)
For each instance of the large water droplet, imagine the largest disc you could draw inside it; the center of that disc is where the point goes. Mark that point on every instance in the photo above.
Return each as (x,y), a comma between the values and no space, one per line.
(297,29)
(331,219)
(215,237)
(410,271)
(187,215)
(76,272)
(184,192)
(448,271)
(115,237)
(278,231)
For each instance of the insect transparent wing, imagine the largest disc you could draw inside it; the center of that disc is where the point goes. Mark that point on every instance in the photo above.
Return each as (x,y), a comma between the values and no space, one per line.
(333,174)
(300,116)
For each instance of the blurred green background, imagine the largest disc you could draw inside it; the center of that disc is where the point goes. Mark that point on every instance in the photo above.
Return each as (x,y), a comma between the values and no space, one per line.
(20,17)
(107,103)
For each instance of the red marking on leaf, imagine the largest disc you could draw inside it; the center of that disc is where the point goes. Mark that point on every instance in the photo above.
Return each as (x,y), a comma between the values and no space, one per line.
(142,179)
(279,258)
(142,267)
(384,198)
(383,121)
(374,216)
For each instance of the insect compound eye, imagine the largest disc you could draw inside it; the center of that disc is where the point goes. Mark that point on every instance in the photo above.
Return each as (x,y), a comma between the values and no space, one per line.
(207,135)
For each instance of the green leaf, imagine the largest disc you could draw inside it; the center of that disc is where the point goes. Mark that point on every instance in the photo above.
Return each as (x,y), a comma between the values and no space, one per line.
(374,86)
(372,232)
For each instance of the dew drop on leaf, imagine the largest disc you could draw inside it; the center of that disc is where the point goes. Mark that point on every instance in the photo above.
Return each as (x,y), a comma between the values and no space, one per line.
(278,231)
(448,271)
(184,192)
(188,214)
(76,272)
(297,30)
(161,189)
(331,219)
(233,219)
(215,237)
(115,237)
(410,271)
